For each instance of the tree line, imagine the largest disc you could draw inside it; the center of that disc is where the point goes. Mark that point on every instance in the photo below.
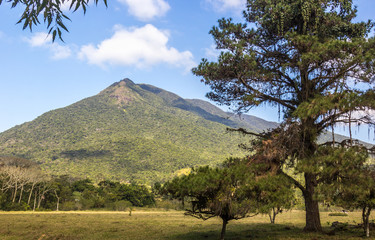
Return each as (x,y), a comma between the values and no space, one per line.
(23,186)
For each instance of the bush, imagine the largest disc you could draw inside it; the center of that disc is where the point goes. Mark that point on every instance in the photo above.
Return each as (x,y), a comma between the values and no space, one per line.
(119,205)
(68,206)
(169,204)
(338,214)
(17,207)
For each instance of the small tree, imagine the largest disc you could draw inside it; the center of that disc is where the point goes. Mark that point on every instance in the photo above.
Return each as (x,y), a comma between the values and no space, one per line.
(350,182)
(277,195)
(229,193)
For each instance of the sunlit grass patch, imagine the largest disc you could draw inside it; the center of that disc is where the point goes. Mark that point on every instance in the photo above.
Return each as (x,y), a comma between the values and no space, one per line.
(161,225)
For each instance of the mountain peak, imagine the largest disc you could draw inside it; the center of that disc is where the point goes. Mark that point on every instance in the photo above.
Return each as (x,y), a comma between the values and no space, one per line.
(123,82)
(121,92)
(126,81)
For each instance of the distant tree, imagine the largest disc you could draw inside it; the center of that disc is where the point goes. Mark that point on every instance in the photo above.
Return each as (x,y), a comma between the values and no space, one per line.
(110,191)
(82,185)
(308,58)
(34,177)
(138,195)
(61,191)
(176,189)
(48,11)
(41,190)
(156,188)
(277,195)
(16,174)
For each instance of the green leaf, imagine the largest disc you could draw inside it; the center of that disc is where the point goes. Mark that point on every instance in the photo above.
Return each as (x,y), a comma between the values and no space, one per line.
(60,23)
(59,33)
(54,35)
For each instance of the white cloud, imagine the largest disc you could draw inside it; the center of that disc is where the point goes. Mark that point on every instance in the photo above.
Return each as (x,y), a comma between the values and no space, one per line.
(39,39)
(224,5)
(65,6)
(59,51)
(43,40)
(212,53)
(140,47)
(146,10)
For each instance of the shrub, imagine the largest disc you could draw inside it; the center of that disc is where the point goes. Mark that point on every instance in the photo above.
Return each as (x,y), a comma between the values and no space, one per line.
(119,205)
(338,214)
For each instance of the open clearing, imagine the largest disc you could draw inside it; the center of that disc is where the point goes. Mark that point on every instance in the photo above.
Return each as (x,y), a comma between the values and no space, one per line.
(148,224)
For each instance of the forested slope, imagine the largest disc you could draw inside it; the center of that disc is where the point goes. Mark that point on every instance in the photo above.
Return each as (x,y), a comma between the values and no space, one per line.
(126,132)
(130,132)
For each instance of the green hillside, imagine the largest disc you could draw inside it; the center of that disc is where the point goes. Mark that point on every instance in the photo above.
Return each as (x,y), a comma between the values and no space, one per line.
(131,132)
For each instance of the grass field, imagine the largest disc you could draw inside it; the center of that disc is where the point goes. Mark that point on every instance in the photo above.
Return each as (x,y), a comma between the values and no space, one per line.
(144,224)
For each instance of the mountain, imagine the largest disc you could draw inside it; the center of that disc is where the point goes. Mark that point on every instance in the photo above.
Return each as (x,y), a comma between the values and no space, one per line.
(130,132)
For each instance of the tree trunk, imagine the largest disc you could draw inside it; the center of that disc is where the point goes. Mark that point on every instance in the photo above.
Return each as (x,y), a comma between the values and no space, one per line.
(58,201)
(15,193)
(223,229)
(350,129)
(34,201)
(19,200)
(311,205)
(40,201)
(272,214)
(366,220)
(31,192)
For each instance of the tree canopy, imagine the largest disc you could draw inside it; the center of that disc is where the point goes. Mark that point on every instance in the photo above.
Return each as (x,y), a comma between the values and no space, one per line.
(350,180)
(233,191)
(309,58)
(228,193)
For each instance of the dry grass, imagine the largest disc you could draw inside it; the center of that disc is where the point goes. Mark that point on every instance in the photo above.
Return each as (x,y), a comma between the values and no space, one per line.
(159,225)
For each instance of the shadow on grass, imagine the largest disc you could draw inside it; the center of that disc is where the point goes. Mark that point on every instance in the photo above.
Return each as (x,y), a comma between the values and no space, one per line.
(268,231)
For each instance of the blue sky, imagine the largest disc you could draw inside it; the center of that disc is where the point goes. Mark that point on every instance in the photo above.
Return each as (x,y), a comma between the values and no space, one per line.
(148,41)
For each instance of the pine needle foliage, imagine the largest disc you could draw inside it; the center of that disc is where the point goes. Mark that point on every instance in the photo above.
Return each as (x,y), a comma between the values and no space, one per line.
(349,180)
(234,191)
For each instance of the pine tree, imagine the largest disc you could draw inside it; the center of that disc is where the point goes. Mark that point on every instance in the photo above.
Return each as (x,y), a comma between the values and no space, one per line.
(309,58)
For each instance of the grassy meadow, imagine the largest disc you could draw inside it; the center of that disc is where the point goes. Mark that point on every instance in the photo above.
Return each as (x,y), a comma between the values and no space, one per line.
(159,224)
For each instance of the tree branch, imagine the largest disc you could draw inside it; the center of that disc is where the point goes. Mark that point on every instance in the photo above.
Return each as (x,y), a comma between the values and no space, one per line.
(294,181)
(265,96)
(245,132)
